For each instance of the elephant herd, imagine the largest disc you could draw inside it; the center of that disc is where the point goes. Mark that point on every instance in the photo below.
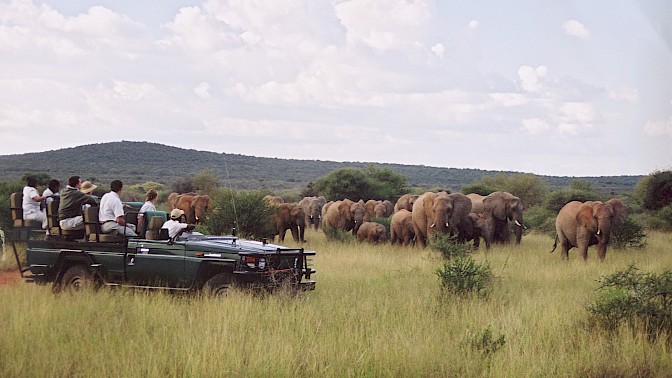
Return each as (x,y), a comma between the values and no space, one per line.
(414,218)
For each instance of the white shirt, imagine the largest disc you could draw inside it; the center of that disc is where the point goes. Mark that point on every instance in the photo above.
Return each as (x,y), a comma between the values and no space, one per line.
(174,227)
(30,206)
(147,206)
(110,207)
(47,192)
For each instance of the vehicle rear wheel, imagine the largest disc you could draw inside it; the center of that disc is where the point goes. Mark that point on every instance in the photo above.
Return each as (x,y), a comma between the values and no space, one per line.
(218,284)
(76,278)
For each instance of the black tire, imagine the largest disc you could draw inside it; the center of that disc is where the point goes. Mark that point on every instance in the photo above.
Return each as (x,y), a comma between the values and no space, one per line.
(218,284)
(77,278)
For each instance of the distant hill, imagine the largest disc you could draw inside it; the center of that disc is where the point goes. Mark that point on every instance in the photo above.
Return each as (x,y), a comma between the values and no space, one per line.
(137,162)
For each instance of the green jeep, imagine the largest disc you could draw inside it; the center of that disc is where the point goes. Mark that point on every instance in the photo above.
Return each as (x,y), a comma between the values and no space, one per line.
(189,262)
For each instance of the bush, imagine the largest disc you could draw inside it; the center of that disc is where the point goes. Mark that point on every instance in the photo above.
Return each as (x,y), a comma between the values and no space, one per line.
(559,198)
(463,276)
(640,300)
(356,184)
(486,343)
(541,219)
(448,246)
(664,215)
(655,191)
(6,189)
(339,236)
(629,235)
(244,210)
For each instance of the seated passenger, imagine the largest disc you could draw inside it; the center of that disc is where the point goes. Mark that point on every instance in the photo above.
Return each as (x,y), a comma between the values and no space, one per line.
(87,188)
(111,213)
(70,208)
(149,205)
(31,202)
(174,226)
(51,192)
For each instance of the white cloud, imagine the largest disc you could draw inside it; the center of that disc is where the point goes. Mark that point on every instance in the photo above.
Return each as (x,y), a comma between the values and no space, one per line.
(626,94)
(473,24)
(535,126)
(509,99)
(439,50)
(202,90)
(659,128)
(576,118)
(530,77)
(576,29)
(132,91)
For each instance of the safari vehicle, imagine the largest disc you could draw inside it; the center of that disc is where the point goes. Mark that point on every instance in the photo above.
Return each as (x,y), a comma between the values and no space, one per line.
(189,262)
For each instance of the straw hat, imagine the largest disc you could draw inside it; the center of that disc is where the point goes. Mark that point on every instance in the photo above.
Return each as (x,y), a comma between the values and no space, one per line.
(87,187)
(176,214)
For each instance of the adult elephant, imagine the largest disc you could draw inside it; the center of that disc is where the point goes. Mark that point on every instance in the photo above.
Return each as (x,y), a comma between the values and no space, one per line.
(439,212)
(589,223)
(289,216)
(195,206)
(476,202)
(498,209)
(345,215)
(312,208)
(405,202)
(401,227)
(369,207)
(372,232)
(273,200)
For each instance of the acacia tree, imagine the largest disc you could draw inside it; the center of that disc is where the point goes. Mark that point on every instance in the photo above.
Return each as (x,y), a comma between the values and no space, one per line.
(356,184)
(655,190)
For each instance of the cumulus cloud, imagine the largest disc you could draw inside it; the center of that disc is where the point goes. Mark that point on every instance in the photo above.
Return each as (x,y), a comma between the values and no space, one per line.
(202,90)
(535,126)
(576,29)
(439,50)
(576,118)
(473,24)
(626,94)
(531,78)
(659,128)
(132,91)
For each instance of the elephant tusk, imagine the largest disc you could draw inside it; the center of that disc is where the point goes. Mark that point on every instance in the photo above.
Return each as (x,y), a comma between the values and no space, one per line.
(599,231)
(447,225)
(518,224)
(432,226)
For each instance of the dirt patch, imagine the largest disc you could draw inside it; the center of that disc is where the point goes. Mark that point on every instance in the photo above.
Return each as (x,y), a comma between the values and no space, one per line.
(9,277)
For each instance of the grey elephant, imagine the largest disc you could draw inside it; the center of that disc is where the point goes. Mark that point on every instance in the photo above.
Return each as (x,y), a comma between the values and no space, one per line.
(498,209)
(475,229)
(372,232)
(405,202)
(345,215)
(589,223)
(289,216)
(401,227)
(312,208)
(439,212)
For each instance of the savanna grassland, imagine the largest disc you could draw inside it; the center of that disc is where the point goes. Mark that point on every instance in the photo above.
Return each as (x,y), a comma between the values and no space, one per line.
(377,311)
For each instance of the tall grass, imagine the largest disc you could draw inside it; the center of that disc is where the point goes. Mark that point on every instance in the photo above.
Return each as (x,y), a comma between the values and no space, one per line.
(377,311)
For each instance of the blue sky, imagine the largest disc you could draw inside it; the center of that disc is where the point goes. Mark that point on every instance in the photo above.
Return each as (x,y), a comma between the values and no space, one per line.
(572,88)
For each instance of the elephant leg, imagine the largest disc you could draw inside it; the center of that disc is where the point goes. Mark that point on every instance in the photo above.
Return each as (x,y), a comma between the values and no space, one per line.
(584,252)
(295,233)
(601,251)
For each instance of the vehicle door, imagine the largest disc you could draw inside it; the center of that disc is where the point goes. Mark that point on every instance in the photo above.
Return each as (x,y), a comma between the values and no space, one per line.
(155,263)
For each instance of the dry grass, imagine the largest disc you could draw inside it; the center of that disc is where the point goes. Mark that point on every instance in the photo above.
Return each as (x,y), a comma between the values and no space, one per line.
(376,312)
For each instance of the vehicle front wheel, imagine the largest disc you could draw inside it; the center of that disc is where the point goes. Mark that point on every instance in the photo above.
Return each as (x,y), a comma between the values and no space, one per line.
(217,285)
(77,278)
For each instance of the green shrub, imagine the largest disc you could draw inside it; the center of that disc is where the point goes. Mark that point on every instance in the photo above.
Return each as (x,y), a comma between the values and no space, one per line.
(486,343)
(664,215)
(559,198)
(463,276)
(6,189)
(629,235)
(640,300)
(244,210)
(541,219)
(448,246)
(339,236)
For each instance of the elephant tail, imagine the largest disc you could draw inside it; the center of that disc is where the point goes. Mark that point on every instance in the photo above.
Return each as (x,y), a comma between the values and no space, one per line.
(555,245)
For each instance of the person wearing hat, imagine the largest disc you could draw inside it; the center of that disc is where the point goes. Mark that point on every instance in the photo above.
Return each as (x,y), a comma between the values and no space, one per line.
(72,200)
(174,226)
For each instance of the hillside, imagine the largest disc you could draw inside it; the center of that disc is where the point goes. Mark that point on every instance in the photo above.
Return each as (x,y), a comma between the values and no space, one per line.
(136,162)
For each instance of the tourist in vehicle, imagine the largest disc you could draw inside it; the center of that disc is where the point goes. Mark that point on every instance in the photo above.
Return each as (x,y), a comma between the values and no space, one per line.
(150,205)
(174,226)
(111,213)
(51,192)
(31,202)
(72,201)
(87,188)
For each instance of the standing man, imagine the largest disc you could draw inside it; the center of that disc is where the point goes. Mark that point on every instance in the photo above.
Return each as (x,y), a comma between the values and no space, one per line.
(31,202)
(70,207)
(111,213)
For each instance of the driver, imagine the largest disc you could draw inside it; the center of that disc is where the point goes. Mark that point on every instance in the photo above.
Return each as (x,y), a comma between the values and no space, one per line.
(174,226)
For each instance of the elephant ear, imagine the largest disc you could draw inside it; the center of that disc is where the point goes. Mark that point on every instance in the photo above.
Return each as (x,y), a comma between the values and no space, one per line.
(620,212)
(495,205)
(585,217)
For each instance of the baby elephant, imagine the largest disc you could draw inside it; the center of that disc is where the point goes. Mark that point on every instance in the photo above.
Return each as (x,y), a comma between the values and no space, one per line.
(372,232)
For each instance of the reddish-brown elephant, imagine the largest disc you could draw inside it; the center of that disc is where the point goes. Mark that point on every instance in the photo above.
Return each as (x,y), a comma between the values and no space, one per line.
(405,202)
(344,215)
(289,216)
(401,227)
(195,206)
(372,232)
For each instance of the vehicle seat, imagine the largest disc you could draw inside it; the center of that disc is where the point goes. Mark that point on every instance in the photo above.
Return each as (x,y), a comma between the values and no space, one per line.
(153,230)
(16,207)
(92,227)
(54,225)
